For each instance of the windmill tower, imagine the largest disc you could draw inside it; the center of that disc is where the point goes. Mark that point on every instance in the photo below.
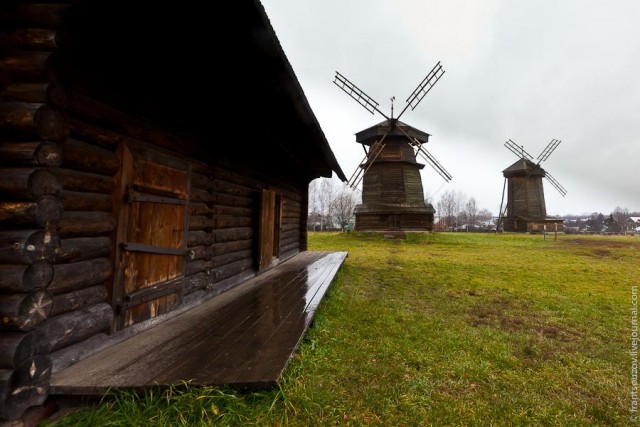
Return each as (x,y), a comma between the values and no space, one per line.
(392,193)
(526,209)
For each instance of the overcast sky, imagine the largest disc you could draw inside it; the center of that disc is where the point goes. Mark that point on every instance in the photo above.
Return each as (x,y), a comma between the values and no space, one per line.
(529,71)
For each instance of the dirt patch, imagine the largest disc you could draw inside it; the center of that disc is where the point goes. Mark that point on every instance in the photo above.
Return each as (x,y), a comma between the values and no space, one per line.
(602,243)
(506,315)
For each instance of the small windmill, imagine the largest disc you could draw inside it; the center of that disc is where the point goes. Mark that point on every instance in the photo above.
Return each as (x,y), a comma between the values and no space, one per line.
(392,193)
(526,209)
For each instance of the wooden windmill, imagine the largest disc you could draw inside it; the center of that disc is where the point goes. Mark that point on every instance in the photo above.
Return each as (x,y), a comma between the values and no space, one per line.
(526,209)
(392,193)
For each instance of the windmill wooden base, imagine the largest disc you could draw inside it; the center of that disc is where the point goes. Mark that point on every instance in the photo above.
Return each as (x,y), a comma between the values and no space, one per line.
(394,218)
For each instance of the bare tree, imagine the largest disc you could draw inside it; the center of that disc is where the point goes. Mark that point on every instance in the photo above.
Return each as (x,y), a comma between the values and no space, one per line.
(342,207)
(321,193)
(471,207)
(621,216)
(448,207)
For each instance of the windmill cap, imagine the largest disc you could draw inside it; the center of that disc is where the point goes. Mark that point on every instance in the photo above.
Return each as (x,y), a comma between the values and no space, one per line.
(375,132)
(523,167)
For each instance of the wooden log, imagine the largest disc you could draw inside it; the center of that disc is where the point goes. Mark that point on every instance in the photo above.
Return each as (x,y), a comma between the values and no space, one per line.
(84,224)
(28,246)
(237,201)
(25,278)
(40,153)
(228,258)
(6,385)
(27,65)
(80,201)
(198,252)
(77,275)
(232,221)
(199,222)
(197,238)
(229,234)
(81,248)
(289,227)
(84,181)
(199,209)
(74,300)
(228,270)
(198,195)
(194,282)
(33,119)
(232,246)
(201,181)
(194,267)
(35,369)
(102,137)
(73,353)
(16,347)
(47,210)
(65,329)
(79,155)
(34,38)
(290,234)
(41,15)
(22,398)
(28,183)
(233,211)
(290,247)
(36,93)
(23,312)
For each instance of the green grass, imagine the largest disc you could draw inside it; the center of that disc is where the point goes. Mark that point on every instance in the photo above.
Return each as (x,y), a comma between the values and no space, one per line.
(441,329)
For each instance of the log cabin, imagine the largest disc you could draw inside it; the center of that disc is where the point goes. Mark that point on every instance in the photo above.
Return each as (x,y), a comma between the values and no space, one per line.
(151,159)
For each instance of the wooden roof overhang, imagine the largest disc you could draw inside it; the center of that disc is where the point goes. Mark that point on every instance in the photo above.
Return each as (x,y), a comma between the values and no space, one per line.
(374,133)
(228,89)
(523,167)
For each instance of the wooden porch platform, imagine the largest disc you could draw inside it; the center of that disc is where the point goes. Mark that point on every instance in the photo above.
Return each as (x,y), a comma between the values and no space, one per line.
(246,342)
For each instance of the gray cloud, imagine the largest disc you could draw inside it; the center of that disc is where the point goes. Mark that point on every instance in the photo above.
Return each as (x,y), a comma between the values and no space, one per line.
(529,71)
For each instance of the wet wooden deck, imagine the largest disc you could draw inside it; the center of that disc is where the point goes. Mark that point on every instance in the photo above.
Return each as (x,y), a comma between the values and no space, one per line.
(245,343)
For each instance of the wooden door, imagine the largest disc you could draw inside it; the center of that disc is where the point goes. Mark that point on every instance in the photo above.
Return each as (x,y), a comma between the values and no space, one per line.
(151,236)
(269,229)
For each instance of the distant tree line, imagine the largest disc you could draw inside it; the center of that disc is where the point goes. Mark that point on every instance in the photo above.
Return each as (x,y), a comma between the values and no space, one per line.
(455,211)
(332,204)
(618,221)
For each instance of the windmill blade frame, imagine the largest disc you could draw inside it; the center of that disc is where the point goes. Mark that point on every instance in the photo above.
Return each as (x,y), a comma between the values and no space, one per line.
(517,150)
(369,104)
(423,88)
(428,157)
(556,184)
(376,149)
(544,155)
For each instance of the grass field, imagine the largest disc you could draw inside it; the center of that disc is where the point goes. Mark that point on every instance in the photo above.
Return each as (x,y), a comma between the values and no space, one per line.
(442,329)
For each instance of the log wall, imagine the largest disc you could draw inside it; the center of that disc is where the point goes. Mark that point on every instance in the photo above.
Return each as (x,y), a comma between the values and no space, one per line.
(59,211)
(33,132)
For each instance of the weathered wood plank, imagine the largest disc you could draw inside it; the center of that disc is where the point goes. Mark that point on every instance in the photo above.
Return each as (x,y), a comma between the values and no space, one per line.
(251,336)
